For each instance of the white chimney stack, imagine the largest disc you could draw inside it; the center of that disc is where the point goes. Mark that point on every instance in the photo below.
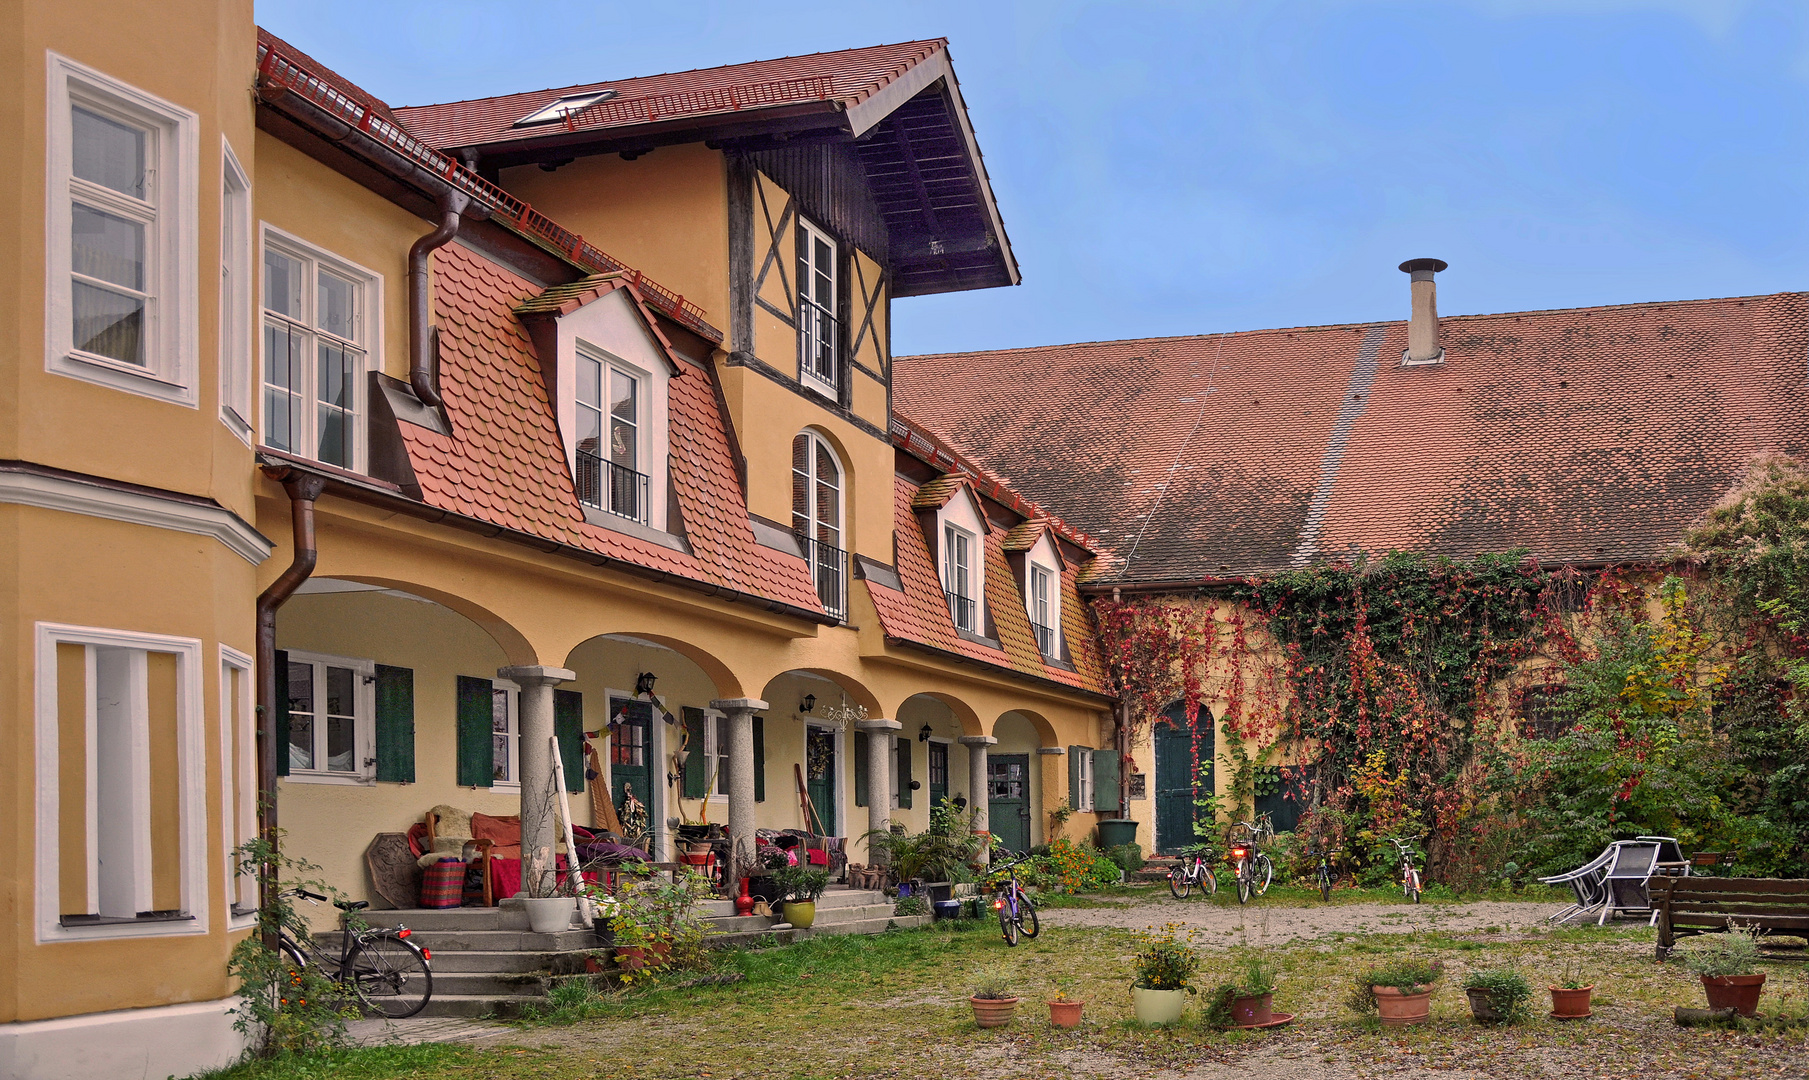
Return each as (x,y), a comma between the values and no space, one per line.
(1422,329)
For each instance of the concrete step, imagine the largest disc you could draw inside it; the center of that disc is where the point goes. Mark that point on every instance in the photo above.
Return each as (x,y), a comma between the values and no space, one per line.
(464,960)
(445,941)
(834,898)
(490,983)
(472,918)
(874,925)
(469,1005)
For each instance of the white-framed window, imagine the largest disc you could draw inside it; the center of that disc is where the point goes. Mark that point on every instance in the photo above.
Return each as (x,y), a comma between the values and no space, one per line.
(505,734)
(120,223)
(236,346)
(716,751)
(612,403)
(958,547)
(816,517)
(320,328)
(1043,599)
(122,785)
(563,108)
(332,719)
(1083,769)
(238,781)
(819,362)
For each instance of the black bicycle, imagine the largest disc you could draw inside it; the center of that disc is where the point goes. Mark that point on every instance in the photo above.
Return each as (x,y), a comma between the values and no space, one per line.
(1194,872)
(1017,912)
(1251,868)
(1324,874)
(389,973)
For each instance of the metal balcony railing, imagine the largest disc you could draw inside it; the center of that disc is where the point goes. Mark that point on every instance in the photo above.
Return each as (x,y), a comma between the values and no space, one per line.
(1045,638)
(961,609)
(829,566)
(817,335)
(616,489)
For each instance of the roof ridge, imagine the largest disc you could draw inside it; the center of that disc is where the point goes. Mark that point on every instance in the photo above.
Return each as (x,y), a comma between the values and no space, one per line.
(1211,335)
(581,87)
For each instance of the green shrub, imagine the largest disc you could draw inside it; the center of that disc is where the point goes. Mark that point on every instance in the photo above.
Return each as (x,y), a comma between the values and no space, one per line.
(1508,991)
(1403,975)
(1733,953)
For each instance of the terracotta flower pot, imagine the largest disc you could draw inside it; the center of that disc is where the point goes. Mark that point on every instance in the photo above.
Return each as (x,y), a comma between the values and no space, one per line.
(1737,992)
(1401,1009)
(659,953)
(1252,1010)
(1065,1014)
(631,957)
(1157,1006)
(993,1012)
(1570,1004)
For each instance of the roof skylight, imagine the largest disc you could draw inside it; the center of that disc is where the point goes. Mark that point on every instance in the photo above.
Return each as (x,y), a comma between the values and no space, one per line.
(563,107)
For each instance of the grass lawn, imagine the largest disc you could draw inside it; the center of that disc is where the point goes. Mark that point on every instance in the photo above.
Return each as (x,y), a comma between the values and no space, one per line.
(895,1005)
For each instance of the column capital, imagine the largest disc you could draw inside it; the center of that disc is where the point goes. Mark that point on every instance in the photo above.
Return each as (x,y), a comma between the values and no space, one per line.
(977,740)
(536,675)
(1051,751)
(740,704)
(878,725)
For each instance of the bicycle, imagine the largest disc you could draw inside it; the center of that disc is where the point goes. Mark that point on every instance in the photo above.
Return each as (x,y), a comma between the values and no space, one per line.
(1251,868)
(1017,912)
(380,965)
(1324,873)
(1410,875)
(1195,871)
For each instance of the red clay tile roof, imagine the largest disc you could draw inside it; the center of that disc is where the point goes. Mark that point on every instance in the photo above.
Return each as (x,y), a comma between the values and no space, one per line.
(924,445)
(1587,435)
(1026,533)
(505,462)
(920,612)
(936,494)
(847,77)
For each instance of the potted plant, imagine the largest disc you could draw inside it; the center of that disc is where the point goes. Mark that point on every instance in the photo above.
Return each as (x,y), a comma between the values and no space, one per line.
(1728,967)
(1497,996)
(759,871)
(1570,995)
(1250,1006)
(1164,966)
(801,885)
(1064,1007)
(992,999)
(1401,992)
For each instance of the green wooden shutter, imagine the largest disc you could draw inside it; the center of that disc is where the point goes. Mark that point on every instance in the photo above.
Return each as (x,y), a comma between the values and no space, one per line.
(568,724)
(904,774)
(477,758)
(1074,753)
(860,768)
(281,705)
(759,759)
(395,725)
(1105,780)
(697,766)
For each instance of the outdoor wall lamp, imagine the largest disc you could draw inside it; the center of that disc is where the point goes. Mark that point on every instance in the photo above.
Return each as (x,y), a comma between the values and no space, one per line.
(809,703)
(643,683)
(923,733)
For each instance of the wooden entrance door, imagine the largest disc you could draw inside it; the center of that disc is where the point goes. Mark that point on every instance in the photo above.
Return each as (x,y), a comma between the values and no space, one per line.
(1008,801)
(819,774)
(1175,782)
(631,762)
(938,773)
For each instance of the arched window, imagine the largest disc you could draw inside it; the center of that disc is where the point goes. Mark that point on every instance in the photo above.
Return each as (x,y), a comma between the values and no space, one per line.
(816,516)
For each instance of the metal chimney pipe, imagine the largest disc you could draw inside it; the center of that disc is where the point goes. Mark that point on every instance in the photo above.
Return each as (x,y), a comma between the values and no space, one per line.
(1422,329)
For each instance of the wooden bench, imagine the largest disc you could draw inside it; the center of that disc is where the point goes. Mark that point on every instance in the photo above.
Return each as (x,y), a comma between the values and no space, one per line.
(1702,905)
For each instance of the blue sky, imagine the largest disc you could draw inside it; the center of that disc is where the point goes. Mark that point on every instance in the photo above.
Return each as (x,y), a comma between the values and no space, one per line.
(1169,168)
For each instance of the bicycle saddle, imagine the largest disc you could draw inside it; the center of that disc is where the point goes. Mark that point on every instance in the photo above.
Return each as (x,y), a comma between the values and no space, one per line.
(351,905)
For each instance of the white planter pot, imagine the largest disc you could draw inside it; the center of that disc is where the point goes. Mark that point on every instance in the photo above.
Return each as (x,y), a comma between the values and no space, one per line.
(1158,1006)
(550,914)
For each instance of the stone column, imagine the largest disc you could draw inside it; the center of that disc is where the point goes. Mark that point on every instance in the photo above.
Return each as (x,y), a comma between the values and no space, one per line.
(976,779)
(538,839)
(740,712)
(880,748)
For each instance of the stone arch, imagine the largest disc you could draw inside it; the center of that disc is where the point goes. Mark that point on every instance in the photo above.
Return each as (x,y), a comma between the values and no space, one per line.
(970,721)
(857,692)
(1045,731)
(728,684)
(514,644)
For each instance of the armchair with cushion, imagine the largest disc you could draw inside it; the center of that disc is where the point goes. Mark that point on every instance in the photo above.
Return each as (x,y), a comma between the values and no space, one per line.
(494,844)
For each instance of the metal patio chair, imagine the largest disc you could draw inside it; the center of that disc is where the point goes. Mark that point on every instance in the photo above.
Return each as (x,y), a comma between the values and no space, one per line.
(1586,886)
(1626,882)
(1671,861)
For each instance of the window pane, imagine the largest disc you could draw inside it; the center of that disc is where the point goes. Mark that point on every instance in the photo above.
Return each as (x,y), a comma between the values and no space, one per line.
(337,394)
(337,306)
(108,324)
(340,684)
(624,437)
(107,247)
(301,716)
(108,153)
(342,750)
(590,382)
(283,284)
(499,738)
(282,387)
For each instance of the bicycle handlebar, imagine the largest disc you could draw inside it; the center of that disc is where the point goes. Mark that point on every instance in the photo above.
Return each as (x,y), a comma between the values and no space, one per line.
(305,894)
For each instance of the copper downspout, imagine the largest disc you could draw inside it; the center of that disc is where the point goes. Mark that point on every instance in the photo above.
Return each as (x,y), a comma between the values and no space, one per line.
(423,364)
(303,489)
(1121,741)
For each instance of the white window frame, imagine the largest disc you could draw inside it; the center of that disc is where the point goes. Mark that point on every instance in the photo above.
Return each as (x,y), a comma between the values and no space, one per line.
(559,109)
(816,444)
(238,774)
(172,157)
(191,769)
(1053,601)
(809,338)
(716,752)
(643,435)
(963,515)
(370,333)
(512,698)
(954,538)
(1084,769)
(364,721)
(239,299)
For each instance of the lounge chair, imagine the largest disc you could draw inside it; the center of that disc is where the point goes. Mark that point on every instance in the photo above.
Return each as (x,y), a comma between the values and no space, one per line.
(1625,883)
(1586,887)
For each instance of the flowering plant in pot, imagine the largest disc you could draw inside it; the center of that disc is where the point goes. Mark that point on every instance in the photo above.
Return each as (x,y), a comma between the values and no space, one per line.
(1399,992)
(1570,995)
(993,1000)
(802,886)
(1498,996)
(1165,966)
(1064,1007)
(1246,1001)
(1729,968)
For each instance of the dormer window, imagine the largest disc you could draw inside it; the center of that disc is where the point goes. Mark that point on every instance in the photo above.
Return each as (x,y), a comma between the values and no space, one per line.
(1044,603)
(957,575)
(611,426)
(818,332)
(563,108)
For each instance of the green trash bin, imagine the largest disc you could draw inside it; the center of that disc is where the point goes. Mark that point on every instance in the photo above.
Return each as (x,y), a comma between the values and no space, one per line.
(1116,831)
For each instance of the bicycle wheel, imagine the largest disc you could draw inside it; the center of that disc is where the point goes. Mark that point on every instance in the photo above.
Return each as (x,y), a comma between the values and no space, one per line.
(1325,884)
(1264,873)
(1243,883)
(390,976)
(1413,886)
(1008,924)
(1027,924)
(1180,882)
(1209,880)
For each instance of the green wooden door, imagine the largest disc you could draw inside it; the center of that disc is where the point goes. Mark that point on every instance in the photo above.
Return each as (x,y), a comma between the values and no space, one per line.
(631,759)
(820,772)
(1175,782)
(938,774)
(1008,801)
